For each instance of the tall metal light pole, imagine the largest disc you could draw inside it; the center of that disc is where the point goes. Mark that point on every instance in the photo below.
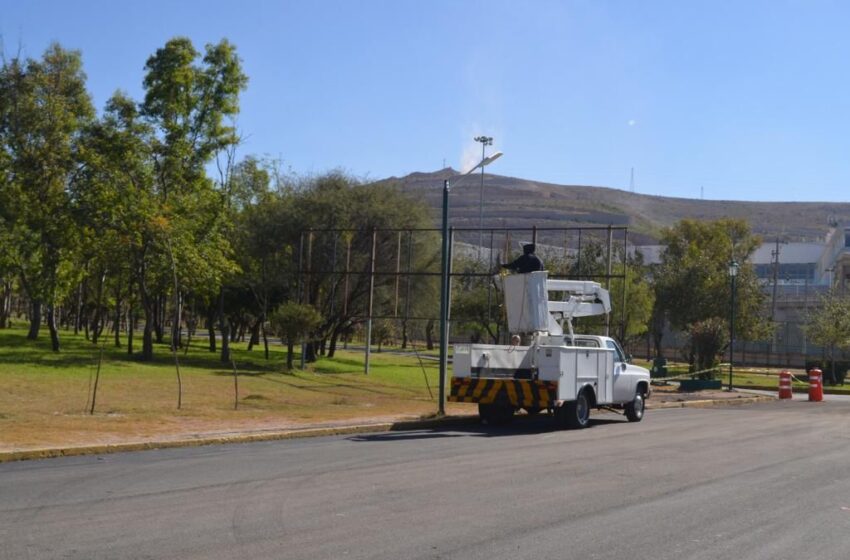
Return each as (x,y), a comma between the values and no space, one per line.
(733,274)
(444,282)
(485,141)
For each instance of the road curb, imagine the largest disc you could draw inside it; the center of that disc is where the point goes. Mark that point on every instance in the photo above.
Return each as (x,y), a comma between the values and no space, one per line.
(403,425)
(797,389)
(710,403)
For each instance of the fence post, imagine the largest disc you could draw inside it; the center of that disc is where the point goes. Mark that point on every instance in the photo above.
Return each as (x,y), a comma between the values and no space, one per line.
(625,285)
(371,299)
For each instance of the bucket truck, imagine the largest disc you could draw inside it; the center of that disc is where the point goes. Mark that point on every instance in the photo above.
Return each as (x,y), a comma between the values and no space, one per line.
(556,369)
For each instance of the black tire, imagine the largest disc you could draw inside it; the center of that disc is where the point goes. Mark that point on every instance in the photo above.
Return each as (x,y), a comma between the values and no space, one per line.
(636,408)
(575,414)
(495,414)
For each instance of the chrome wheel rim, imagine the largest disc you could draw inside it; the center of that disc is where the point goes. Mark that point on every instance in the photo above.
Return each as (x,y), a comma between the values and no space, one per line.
(582,410)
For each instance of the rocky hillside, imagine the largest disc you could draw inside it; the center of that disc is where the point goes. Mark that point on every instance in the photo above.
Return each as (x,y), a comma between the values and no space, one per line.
(510,201)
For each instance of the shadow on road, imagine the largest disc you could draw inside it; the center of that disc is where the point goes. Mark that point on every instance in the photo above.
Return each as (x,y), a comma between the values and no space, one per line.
(520,426)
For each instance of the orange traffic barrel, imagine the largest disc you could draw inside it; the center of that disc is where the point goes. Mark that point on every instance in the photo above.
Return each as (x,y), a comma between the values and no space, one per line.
(785,384)
(815,385)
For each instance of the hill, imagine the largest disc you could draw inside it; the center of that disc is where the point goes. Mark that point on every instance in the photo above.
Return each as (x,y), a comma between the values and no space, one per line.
(515,202)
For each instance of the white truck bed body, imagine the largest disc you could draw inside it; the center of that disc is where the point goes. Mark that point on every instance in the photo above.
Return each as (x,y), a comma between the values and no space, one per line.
(572,367)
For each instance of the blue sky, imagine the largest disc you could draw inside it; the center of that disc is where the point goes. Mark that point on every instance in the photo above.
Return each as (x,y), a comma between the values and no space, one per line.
(748,100)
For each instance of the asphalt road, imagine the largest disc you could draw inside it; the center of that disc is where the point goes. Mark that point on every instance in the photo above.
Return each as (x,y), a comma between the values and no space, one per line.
(761,481)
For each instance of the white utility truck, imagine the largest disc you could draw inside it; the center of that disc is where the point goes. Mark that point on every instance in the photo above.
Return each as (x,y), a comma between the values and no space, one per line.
(563,372)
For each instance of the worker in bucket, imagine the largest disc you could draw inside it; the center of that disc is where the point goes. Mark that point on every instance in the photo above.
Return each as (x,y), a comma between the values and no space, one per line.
(527,262)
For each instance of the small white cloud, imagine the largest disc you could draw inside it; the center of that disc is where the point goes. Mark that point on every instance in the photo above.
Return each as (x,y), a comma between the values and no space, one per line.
(632,122)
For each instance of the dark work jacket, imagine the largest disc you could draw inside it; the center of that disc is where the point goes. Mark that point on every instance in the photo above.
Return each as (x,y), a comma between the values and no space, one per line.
(525,263)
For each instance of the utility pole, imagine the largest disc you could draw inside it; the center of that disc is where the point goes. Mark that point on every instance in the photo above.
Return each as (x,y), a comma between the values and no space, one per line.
(632,181)
(485,141)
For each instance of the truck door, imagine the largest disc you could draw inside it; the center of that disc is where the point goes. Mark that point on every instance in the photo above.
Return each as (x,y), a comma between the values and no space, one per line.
(621,392)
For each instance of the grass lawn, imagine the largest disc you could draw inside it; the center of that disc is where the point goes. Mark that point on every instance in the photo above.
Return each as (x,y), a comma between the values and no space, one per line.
(45,397)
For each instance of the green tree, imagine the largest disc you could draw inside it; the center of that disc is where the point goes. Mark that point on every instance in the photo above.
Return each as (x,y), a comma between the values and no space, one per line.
(338,201)
(264,260)
(187,104)
(635,317)
(45,107)
(476,303)
(828,325)
(692,283)
(294,322)
(119,207)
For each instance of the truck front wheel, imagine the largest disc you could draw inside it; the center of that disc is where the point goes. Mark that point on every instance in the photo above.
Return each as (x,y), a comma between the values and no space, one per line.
(495,414)
(634,409)
(575,414)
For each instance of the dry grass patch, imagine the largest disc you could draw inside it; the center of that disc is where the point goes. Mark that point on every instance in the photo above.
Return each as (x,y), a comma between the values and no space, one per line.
(45,397)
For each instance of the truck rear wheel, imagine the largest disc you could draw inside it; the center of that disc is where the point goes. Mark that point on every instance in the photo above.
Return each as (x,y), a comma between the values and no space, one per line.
(575,414)
(635,409)
(495,414)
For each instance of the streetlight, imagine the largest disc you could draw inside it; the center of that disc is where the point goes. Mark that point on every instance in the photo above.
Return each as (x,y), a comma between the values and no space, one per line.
(444,282)
(733,273)
(485,141)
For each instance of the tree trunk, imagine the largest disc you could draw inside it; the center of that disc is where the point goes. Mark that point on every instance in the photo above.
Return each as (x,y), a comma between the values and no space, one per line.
(35,320)
(147,336)
(131,316)
(96,320)
(6,305)
(131,319)
(177,320)
(429,334)
(234,331)
(159,319)
(118,315)
(290,347)
(211,312)
(150,317)
(51,326)
(211,331)
(255,334)
(404,335)
(332,345)
(224,327)
(104,315)
(265,339)
(79,309)
(310,352)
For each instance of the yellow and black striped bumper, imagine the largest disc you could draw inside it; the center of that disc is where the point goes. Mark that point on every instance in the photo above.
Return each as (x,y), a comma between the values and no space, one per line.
(516,392)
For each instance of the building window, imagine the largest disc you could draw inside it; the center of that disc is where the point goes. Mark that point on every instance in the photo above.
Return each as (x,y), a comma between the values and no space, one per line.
(846,238)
